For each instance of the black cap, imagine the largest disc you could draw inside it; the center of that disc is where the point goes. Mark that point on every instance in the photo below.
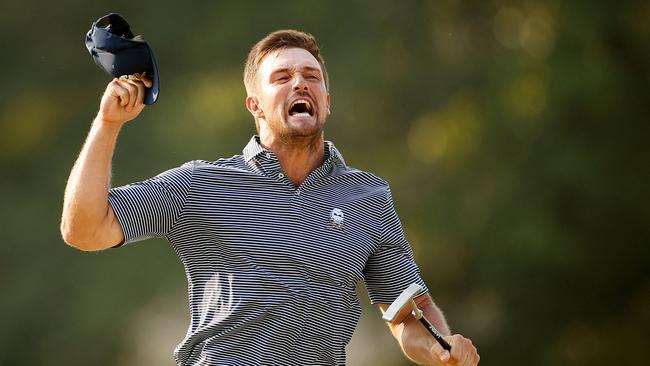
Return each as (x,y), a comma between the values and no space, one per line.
(114,49)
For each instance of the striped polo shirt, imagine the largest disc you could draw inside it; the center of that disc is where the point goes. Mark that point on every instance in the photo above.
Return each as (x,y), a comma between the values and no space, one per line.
(272,268)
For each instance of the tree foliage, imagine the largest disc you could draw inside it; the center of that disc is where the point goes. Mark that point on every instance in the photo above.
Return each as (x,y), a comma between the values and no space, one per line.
(514,136)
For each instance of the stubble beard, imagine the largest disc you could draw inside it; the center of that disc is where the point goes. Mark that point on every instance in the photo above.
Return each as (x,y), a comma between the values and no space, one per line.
(304,134)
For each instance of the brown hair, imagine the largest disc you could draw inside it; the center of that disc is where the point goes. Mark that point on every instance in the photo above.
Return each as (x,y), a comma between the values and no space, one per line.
(286,38)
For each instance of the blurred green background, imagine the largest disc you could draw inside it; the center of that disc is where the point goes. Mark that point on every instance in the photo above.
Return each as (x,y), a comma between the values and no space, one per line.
(514,135)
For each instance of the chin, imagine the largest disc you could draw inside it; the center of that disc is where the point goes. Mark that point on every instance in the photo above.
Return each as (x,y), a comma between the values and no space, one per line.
(304,132)
(304,127)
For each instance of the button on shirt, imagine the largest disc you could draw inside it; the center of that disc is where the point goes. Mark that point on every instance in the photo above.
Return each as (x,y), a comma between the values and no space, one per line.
(272,268)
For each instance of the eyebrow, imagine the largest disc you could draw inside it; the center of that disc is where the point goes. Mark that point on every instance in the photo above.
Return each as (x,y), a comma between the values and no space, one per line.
(304,68)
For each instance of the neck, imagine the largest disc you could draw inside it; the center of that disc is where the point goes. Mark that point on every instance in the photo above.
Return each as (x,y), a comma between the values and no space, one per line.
(298,155)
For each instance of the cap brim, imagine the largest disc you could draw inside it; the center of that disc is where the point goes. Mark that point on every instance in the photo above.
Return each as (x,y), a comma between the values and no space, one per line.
(151,94)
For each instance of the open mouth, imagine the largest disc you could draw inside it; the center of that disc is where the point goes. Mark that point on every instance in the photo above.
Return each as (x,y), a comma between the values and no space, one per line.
(301,108)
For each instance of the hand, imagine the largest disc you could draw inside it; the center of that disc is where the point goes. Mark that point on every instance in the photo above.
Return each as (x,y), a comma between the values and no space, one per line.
(463,352)
(123,99)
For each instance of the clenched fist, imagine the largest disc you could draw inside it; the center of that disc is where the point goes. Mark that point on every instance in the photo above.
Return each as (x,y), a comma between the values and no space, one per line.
(463,352)
(123,99)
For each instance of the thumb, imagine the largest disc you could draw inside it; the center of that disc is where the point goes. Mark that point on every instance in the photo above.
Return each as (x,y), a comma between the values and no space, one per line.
(439,352)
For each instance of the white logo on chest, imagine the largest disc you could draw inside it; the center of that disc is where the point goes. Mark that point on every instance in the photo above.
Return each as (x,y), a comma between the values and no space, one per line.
(337,218)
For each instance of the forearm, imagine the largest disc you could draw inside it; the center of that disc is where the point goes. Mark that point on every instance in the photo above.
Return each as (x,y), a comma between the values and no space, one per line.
(85,204)
(414,339)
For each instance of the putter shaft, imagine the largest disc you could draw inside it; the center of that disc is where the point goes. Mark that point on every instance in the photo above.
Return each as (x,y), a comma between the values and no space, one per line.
(434,332)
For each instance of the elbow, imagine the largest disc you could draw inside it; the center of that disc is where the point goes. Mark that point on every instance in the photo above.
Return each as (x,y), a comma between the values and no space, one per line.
(76,238)
(75,241)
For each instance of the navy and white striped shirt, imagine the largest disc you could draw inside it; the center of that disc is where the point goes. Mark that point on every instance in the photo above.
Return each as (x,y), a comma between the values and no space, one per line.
(272,268)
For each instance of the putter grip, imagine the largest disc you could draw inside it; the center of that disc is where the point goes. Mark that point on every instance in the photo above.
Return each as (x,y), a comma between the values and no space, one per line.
(434,332)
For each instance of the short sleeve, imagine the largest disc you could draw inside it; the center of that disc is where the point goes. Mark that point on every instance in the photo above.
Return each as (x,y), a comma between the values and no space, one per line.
(391,268)
(150,208)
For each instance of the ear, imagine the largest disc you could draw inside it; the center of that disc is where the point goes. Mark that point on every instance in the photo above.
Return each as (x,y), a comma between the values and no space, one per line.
(252,104)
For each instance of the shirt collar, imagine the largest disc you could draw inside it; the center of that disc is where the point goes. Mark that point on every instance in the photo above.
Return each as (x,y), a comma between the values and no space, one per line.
(331,152)
(254,149)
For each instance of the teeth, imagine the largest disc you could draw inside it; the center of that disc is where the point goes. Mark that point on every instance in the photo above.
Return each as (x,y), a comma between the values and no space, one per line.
(301,114)
(301,101)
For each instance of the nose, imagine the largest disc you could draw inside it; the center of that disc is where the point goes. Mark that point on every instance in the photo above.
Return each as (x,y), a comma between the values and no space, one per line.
(299,83)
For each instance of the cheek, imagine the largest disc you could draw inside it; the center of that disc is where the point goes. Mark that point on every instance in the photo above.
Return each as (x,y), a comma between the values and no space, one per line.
(275,99)
(268,102)
(326,105)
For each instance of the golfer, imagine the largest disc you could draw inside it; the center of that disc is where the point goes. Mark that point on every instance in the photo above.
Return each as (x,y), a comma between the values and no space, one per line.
(273,241)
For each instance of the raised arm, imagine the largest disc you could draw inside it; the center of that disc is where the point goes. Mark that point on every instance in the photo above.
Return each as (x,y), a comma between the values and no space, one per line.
(418,344)
(88,221)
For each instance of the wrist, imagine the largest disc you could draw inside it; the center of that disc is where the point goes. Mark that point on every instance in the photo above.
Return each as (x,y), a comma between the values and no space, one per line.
(105,124)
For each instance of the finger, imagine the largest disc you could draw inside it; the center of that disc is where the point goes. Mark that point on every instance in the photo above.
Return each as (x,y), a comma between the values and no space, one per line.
(139,93)
(147,82)
(132,92)
(140,87)
(464,359)
(474,357)
(120,92)
(439,352)
(458,350)
(126,99)
(462,350)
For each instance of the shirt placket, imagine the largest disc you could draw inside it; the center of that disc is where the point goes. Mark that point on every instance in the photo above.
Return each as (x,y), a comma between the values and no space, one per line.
(300,196)
(297,195)
(272,168)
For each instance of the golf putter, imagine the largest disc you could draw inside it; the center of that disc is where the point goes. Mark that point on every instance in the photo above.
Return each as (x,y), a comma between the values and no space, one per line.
(405,298)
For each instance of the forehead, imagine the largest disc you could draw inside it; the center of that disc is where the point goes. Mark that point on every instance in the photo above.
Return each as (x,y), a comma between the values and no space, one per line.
(288,58)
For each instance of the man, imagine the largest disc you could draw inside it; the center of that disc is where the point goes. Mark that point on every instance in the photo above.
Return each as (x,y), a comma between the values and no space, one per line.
(273,241)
